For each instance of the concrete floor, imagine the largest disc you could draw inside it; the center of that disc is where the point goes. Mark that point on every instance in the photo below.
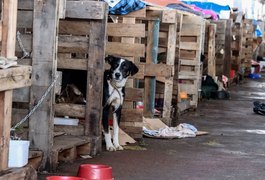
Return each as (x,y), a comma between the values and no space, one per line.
(232,150)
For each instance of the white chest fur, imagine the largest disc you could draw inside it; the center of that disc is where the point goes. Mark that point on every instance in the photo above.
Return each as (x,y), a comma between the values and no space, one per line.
(116,96)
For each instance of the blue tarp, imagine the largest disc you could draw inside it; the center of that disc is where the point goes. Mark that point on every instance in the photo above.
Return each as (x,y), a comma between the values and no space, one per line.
(208,5)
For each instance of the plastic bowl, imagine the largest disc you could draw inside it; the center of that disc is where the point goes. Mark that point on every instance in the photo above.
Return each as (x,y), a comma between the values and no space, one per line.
(95,171)
(64,178)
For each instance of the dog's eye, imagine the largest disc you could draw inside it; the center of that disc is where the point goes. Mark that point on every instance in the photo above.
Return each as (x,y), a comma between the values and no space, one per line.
(125,66)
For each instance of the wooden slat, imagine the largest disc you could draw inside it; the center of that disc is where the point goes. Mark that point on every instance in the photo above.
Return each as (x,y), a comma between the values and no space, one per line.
(73,44)
(137,14)
(125,49)
(25,4)
(131,115)
(190,30)
(188,62)
(85,9)
(126,30)
(14,78)
(189,46)
(134,94)
(74,27)
(24,19)
(71,110)
(70,63)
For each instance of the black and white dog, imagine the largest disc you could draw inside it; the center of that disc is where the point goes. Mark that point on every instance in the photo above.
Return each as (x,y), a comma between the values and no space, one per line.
(113,95)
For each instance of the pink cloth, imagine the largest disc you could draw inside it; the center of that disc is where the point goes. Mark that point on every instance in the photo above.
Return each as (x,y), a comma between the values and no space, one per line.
(206,12)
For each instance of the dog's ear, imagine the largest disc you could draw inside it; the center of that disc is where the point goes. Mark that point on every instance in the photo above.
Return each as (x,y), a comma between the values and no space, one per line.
(109,59)
(134,69)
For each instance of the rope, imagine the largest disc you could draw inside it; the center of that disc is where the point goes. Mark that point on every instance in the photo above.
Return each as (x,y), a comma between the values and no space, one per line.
(37,105)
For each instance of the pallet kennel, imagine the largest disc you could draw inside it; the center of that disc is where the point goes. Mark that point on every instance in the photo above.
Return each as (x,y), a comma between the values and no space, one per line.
(48,32)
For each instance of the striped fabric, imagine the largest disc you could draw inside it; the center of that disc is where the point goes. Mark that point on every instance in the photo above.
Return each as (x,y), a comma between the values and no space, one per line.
(125,6)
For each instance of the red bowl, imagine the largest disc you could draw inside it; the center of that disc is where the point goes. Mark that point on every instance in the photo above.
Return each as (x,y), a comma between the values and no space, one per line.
(95,171)
(64,178)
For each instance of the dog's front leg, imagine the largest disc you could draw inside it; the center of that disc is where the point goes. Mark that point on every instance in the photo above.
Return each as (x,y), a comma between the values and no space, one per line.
(116,121)
(107,135)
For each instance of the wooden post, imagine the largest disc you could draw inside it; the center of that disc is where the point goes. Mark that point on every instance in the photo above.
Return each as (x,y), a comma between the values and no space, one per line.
(171,52)
(151,57)
(9,12)
(211,50)
(97,39)
(228,53)
(44,64)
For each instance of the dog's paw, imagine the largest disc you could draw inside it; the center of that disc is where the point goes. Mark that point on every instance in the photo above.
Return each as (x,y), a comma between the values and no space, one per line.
(119,148)
(111,148)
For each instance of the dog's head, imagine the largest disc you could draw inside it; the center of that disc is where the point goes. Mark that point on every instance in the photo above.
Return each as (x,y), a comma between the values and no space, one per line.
(120,68)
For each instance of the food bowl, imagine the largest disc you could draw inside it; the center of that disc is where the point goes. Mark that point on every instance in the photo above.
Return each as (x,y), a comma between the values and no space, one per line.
(95,171)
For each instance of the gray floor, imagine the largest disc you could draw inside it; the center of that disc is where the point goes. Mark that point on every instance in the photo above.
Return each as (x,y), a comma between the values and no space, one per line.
(234,148)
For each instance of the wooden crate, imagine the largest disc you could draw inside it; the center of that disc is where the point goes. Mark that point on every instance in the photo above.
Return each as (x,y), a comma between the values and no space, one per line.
(81,33)
(247,44)
(189,64)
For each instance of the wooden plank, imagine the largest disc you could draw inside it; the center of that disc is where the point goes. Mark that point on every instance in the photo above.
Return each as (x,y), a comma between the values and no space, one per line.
(189,46)
(125,49)
(134,94)
(5,122)
(171,52)
(159,70)
(211,50)
(70,63)
(132,115)
(85,9)
(24,19)
(15,77)
(73,44)
(62,9)
(71,110)
(151,58)
(97,41)
(136,14)
(126,30)
(227,49)
(70,27)
(9,17)
(25,4)
(45,22)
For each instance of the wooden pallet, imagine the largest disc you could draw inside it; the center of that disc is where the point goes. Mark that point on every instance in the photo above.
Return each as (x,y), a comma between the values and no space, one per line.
(247,44)
(189,64)
(68,148)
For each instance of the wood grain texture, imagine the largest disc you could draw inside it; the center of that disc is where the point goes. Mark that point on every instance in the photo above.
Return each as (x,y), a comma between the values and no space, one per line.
(45,22)
(96,56)
(85,10)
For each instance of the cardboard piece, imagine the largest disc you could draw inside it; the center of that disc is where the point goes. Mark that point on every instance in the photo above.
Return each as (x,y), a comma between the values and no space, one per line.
(124,138)
(153,123)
